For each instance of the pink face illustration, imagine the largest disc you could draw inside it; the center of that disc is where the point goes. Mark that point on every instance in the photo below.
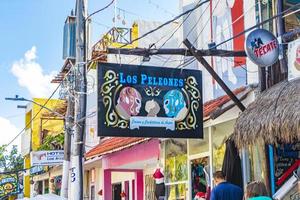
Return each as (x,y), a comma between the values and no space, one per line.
(129,102)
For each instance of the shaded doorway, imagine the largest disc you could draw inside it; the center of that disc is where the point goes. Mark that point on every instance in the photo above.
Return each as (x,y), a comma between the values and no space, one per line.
(116,189)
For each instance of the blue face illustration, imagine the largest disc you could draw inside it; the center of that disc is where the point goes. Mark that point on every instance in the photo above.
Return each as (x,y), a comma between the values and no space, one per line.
(173,103)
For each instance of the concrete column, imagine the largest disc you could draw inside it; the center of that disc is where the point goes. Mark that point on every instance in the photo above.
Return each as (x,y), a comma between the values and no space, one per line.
(107,189)
(140,185)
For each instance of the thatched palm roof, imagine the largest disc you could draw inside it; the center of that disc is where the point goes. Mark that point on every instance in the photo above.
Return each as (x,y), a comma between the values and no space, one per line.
(274,116)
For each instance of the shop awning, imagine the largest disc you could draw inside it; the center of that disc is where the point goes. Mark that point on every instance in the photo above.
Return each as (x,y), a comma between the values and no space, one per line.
(274,116)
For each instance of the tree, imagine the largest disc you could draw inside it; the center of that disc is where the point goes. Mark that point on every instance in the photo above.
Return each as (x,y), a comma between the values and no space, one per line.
(10,160)
(53,142)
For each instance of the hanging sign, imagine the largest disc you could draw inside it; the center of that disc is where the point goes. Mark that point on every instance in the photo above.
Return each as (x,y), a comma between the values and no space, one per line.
(262,47)
(9,185)
(143,101)
(47,158)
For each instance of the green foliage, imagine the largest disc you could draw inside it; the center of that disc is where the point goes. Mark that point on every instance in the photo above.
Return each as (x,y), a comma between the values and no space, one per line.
(53,142)
(10,160)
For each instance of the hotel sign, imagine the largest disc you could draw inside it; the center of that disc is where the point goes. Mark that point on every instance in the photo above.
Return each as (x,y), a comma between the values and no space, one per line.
(144,101)
(262,47)
(47,158)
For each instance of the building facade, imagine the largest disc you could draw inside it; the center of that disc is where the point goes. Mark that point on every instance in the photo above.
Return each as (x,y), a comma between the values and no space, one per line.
(41,128)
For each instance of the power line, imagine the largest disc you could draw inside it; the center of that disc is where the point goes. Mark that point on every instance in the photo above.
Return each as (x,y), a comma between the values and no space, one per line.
(13,116)
(97,11)
(44,105)
(196,40)
(34,116)
(183,23)
(200,31)
(259,24)
(237,19)
(164,24)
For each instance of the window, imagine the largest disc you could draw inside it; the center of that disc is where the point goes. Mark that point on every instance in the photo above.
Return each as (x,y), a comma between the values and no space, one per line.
(176,169)
(176,191)
(176,160)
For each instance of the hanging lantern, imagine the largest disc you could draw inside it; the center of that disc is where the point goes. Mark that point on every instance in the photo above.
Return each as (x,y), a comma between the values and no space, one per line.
(123,21)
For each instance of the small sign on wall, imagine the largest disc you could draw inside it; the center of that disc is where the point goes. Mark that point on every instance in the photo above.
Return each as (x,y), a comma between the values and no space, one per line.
(294,59)
(47,158)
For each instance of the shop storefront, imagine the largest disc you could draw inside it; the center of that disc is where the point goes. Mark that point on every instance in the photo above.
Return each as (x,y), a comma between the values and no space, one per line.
(271,125)
(45,180)
(123,168)
(190,163)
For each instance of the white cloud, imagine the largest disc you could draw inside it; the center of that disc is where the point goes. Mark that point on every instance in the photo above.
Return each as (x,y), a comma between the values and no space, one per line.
(30,75)
(7,132)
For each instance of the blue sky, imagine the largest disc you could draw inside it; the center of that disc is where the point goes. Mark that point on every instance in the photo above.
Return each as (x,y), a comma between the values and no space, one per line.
(31,45)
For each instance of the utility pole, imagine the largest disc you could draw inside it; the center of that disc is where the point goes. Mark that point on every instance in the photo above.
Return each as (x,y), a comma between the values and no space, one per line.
(80,104)
(67,146)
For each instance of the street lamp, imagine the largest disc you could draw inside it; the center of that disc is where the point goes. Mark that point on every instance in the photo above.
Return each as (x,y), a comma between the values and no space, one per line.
(17,98)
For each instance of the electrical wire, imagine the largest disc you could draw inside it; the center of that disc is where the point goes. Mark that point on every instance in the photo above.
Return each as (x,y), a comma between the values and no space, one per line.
(199,34)
(231,60)
(164,24)
(186,18)
(189,32)
(13,116)
(182,66)
(33,117)
(97,11)
(237,19)
(258,25)
(44,105)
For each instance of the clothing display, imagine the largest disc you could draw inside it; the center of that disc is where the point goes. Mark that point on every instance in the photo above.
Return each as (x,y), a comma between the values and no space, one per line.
(160,190)
(159,183)
(158,176)
(232,164)
(200,177)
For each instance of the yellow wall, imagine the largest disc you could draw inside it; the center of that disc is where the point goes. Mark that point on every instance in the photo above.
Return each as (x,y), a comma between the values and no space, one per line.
(26,178)
(55,126)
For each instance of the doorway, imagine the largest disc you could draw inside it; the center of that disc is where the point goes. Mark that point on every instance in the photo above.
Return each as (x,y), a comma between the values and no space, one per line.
(199,176)
(116,190)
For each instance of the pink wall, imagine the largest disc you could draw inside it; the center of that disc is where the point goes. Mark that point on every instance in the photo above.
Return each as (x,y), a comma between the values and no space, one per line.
(107,185)
(138,187)
(143,151)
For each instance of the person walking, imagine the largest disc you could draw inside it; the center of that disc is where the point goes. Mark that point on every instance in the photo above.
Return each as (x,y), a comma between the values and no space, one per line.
(225,190)
(256,190)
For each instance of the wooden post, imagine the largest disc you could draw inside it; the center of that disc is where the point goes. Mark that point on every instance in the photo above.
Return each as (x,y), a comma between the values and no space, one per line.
(232,96)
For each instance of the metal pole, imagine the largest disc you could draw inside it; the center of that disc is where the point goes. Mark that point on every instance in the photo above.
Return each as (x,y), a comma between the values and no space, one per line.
(80,104)
(67,147)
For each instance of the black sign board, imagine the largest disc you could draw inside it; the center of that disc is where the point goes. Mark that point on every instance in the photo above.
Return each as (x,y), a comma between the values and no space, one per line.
(144,101)
(287,157)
